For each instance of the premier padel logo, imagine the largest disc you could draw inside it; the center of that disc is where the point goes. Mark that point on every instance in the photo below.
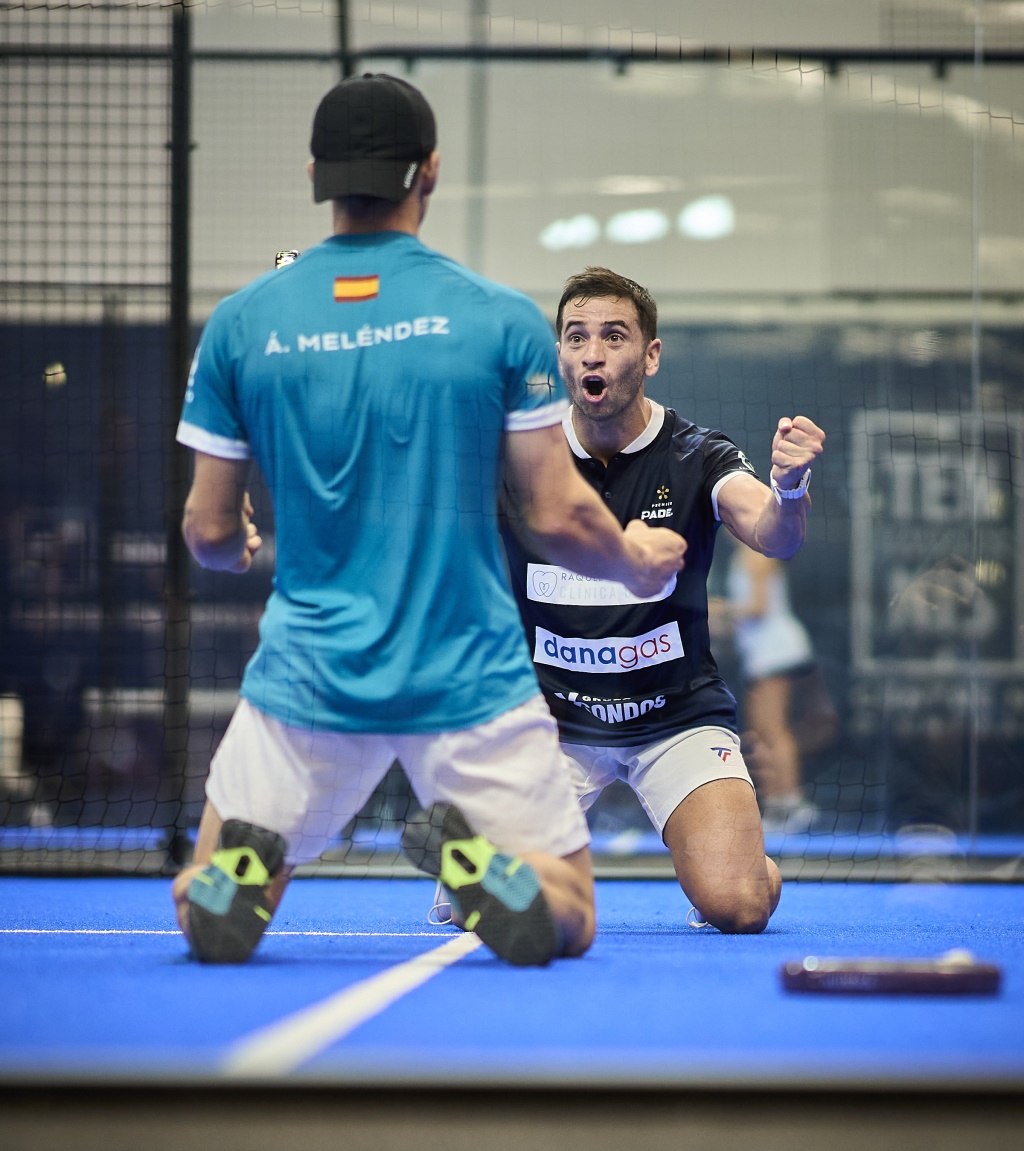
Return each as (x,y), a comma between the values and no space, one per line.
(614,654)
(661,506)
(548,583)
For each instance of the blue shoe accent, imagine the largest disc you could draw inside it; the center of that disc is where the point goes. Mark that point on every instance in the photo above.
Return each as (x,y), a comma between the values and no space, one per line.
(517,890)
(212,890)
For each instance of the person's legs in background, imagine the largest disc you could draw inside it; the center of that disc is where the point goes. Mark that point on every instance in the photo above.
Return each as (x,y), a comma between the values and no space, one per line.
(773,752)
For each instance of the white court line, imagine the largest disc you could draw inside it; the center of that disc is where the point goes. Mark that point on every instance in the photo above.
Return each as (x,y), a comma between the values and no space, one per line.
(81,931)
(284,1046)
(266,934)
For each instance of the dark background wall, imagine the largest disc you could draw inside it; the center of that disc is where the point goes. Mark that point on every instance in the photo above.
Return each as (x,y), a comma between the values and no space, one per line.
(82,457)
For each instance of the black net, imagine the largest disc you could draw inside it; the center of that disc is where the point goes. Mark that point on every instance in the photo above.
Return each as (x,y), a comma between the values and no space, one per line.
(83,328)
(835,233)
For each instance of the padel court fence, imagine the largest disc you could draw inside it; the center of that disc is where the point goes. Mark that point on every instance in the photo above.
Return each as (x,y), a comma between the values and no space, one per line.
(139,175)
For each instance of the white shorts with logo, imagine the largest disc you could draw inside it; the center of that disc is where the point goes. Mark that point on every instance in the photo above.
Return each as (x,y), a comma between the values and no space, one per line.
(507,776)
(663,773)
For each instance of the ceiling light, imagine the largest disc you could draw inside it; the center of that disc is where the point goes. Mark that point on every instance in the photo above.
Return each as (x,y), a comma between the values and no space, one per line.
(637,185)
(641,226)
(709,218)
(576,232)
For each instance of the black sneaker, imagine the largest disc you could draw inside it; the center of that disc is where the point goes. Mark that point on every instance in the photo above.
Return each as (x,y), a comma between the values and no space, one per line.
(497,896)
(228,910)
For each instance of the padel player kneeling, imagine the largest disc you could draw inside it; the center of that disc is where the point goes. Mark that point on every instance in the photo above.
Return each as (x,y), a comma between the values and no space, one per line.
(378,385)
(631,679)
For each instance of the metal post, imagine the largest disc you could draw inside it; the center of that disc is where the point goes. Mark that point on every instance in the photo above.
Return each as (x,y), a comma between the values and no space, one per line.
(477,143)
(977,446)
(344,43)
(111,508)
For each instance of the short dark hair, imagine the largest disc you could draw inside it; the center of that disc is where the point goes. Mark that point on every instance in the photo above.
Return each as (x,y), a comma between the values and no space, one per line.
(602,283)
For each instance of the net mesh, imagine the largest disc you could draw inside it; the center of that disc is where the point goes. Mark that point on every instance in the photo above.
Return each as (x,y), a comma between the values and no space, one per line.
(832,233)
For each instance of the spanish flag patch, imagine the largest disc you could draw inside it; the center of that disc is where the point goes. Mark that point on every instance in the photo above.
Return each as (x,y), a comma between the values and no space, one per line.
(352,289)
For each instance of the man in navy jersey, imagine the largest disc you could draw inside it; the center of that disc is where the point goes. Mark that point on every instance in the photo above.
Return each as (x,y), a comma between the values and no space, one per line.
(377,384)
(630,679)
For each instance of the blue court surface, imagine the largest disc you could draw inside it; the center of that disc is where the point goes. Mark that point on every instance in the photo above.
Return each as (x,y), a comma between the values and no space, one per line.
(352,985)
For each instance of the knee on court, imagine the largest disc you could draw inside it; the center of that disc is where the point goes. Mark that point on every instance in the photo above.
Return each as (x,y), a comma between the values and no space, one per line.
(578,941)
(738,911)
(578,921)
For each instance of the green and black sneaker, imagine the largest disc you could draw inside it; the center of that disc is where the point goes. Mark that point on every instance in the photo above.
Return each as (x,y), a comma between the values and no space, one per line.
(497,896)
(228,910)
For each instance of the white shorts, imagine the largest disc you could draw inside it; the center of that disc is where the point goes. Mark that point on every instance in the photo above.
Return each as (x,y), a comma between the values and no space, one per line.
(662,774)
(507,776)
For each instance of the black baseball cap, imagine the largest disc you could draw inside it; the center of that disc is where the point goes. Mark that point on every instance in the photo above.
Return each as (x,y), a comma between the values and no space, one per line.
(370,135)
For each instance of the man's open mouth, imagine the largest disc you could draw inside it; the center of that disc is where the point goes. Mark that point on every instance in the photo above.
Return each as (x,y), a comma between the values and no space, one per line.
(593,385)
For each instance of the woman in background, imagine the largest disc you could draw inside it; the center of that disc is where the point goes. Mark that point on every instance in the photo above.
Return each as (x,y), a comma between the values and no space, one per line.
(779,671)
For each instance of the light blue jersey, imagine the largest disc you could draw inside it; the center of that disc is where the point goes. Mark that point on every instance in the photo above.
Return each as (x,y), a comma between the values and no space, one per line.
(373,381)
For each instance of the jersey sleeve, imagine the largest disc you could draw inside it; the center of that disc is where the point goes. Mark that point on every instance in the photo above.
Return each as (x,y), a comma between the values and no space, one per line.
(723,460)
(534,393)
(210,419)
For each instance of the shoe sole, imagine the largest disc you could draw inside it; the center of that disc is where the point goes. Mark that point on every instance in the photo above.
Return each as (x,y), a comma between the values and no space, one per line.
(228,908)
(497,896)
(224,936)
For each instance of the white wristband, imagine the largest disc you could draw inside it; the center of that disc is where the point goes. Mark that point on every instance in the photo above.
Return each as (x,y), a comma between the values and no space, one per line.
(796,493)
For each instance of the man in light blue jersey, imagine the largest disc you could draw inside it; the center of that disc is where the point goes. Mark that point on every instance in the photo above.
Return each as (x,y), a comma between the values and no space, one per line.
(381,388)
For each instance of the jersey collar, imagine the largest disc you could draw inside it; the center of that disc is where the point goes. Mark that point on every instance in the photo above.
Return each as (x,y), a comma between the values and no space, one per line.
(647,436)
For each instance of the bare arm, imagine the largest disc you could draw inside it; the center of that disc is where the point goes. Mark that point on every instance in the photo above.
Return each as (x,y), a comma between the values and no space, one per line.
(750,510)
(569,524)
(217,524)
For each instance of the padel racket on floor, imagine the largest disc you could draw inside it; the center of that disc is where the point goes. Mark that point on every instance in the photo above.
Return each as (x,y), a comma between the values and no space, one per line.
(954,973)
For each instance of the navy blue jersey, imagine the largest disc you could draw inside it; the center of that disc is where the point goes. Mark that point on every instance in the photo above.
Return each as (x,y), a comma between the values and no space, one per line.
(617,670)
